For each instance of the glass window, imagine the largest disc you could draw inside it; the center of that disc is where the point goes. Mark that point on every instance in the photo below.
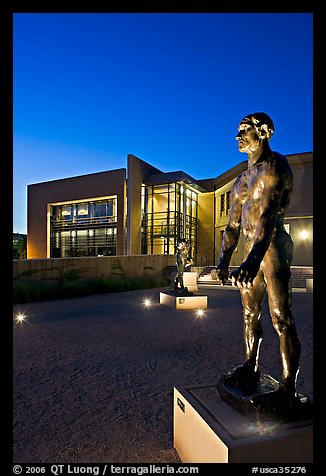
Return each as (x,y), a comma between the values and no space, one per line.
(161,198)
(82,210)
(110,208)
(143,198)
(100,209)
(171,215)
(74,238)
(91,210)
(222,203)
(181,202)
(194,208)
(66,212)
(55,212)
(172,197)
(228,200)
(188,206)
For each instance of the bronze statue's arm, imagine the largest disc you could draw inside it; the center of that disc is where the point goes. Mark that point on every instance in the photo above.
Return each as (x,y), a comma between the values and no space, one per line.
(230,238)
(229,243)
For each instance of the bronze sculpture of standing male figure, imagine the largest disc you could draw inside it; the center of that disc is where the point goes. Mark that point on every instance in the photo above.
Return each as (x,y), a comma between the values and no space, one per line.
(183,261)
(260,196)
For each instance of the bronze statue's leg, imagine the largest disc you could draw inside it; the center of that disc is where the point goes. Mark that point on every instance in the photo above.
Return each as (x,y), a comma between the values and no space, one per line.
(247,376)
(279,289)
(252,302)
(176,280)
(280,310)
(181,280)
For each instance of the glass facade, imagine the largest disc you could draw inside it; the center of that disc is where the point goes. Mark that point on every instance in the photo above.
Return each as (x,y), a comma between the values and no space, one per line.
(169,213)
(84,229)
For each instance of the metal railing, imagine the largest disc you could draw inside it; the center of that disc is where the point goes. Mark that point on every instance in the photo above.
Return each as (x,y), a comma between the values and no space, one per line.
(92,222)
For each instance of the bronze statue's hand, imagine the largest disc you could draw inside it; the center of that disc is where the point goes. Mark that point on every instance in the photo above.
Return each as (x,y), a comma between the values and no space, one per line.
(244,276)
(220,274)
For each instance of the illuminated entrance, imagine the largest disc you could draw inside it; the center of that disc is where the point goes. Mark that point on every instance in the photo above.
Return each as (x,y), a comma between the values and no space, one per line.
(169,213)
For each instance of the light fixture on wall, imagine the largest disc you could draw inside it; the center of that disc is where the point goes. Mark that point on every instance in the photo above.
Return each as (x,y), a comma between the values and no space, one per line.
(304,234)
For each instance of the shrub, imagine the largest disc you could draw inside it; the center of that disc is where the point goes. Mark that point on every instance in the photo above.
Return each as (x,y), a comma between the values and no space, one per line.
(26,291)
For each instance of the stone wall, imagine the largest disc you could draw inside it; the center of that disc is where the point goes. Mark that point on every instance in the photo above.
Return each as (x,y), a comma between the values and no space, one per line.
(155,266)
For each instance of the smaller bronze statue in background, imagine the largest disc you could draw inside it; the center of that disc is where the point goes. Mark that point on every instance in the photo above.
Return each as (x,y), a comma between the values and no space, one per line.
(183,261)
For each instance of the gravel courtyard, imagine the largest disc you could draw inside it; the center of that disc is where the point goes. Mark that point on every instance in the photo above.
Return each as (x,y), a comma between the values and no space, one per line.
(94,376)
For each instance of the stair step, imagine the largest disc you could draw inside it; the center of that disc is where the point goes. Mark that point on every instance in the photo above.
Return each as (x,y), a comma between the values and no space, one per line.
(299,276)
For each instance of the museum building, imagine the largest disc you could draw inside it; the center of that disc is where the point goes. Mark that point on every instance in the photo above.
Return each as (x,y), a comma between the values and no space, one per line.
(143,210)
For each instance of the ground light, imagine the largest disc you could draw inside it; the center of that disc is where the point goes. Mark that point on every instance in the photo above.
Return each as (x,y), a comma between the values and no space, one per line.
(200,313)
(147,302)
(20,317)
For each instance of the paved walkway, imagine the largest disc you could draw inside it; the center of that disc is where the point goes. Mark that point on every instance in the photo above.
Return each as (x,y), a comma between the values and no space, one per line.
(94,376)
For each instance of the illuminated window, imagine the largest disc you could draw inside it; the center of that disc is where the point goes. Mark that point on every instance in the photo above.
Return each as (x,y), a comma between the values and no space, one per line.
(81,229)
(82,210)
(222,203)
(169,213)
(228,200)
(66,212)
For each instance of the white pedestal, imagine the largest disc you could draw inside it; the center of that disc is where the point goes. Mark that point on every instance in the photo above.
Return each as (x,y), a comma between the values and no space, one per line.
(309,285)
(184,302)
(208,430)
(189,280)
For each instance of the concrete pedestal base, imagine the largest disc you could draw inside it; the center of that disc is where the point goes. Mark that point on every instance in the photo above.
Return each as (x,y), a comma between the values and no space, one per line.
(207,430)
(309,285)
(184,302)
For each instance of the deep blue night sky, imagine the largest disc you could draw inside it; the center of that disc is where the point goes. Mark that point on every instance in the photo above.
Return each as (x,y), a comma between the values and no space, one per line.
(169,88)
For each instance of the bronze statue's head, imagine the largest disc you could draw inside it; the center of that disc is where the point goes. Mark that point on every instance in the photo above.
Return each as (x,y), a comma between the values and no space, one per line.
(262,123)
(183,244)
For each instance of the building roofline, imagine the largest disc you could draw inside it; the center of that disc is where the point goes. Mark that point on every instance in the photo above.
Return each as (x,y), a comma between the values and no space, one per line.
(175,176)
(230,174)
(225,177)
(144,164)
(301,158)
(78,176)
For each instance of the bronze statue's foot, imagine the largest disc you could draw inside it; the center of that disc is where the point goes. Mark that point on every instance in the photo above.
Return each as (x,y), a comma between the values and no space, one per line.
(243,378)
(280,401)
(288,386)
(176,291)
(187,292)
(181,292)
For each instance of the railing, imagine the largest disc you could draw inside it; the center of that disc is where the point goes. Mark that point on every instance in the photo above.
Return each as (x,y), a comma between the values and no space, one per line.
(200,261)
(85,221)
